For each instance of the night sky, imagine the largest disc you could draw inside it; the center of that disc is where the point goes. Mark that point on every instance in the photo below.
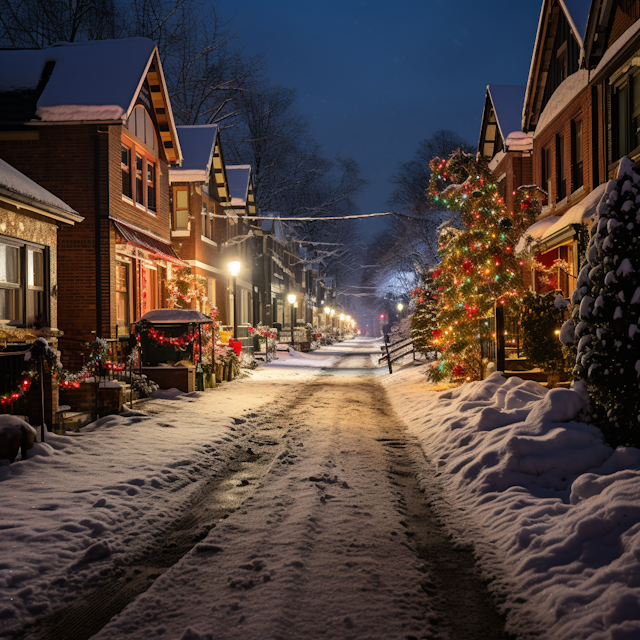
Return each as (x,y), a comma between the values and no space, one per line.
(375,77)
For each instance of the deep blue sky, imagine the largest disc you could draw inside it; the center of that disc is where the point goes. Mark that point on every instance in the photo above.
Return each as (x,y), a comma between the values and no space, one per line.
(375,77)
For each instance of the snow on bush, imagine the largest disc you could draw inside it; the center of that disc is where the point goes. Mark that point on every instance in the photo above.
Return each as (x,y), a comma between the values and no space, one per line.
(551,509)
(606,313)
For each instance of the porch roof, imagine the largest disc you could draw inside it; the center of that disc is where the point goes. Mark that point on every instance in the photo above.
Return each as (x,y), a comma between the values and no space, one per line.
(144,240)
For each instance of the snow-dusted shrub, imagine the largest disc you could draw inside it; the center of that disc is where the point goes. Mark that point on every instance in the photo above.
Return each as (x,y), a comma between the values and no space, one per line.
(606,312)
(542,315)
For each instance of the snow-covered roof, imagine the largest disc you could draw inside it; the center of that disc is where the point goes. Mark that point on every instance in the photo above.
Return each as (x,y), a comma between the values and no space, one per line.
(176,316)
(579,213)
(507,104)
(18,187)
(197,143)
(519,141)
(617,46)
(273,225)
(535,231)
(84,81)
(577,13)
(561,98)
(239,177)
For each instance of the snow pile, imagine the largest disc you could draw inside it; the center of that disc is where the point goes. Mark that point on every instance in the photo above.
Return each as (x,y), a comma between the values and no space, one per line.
(552,510)
(536,231)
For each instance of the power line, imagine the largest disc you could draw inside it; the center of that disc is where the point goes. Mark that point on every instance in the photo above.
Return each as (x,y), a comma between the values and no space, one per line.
(309,219)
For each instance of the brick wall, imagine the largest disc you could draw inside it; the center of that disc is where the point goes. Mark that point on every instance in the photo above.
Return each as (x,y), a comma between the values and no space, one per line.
(579,109)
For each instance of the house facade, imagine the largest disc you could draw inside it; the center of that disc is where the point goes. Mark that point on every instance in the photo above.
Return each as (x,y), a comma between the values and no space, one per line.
(93,123)
(200,227)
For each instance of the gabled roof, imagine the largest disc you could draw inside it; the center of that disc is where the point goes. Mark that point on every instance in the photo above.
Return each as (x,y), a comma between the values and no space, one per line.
(502,116)
(273,226)
(202,158)
(198,144)
(239,177)
(241,187)
(576,13)
(20,190)
(86,81)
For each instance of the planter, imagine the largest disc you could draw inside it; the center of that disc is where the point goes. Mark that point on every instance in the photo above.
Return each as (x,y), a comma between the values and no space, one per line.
(219,375)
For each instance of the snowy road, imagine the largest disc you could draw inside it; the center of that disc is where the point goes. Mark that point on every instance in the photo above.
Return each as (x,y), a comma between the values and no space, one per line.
(303,519)
(326,546)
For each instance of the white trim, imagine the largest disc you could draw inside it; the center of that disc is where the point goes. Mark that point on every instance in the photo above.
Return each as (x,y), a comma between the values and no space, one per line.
(208,267)
(208,241)
(181,233)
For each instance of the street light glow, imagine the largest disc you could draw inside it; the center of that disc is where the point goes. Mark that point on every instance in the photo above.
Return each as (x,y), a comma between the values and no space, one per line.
(400,306)
(291,298)
(327,310)
(342,316)
(333,312)
(234,268)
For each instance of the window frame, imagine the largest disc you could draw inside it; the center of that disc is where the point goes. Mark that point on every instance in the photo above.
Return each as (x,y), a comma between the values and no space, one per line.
(174,209)
(24,247)
(577,155)
(561,168)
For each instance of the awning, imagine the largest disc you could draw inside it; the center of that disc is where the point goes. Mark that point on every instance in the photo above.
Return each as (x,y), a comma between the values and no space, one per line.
(159,248)
(176,316)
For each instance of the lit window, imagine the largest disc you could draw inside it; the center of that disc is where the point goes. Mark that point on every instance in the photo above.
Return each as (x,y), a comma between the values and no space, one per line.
(181,208)
(151,186)
(126,171)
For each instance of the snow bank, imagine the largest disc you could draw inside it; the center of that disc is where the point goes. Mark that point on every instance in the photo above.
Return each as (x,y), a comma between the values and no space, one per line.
(552,510)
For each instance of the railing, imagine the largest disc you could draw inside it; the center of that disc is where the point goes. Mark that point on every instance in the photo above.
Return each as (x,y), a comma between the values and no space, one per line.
(396,351)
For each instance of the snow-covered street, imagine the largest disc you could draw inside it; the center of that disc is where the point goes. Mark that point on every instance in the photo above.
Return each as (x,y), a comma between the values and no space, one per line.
(322,498)
(332,538)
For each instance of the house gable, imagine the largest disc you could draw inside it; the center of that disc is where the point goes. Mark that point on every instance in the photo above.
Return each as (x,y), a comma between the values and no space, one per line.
(557,54)
(500,119)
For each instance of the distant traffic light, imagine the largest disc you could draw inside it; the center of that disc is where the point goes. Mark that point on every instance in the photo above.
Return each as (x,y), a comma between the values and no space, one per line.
(382,316)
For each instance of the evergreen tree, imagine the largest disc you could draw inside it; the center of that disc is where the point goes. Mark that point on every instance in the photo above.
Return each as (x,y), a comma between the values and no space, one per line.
(479,265)
(424,328)
(606,307)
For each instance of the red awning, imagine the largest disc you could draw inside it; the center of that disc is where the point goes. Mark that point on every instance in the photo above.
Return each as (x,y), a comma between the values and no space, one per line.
(139,238)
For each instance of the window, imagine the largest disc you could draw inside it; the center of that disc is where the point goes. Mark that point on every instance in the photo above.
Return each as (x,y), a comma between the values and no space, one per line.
(206,228)
(139,189)
(35,288)
(576,155)
(23,284)
(546,173)
(126,171)
(181,208)
(10,284)
(625,115)
(122,296)
(561,168)
(151,186)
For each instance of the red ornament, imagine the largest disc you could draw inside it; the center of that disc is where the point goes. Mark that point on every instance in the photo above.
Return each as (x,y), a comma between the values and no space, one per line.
(467,266)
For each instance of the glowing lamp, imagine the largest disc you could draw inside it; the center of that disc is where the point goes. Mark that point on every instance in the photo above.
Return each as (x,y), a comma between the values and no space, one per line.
(342,316)
(234,268)
(291,298)
(400,306)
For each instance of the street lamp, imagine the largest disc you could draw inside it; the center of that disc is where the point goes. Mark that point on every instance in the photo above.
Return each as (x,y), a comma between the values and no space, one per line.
(291,299)
(400,307)
(341,323)
(327,311)
(234,269)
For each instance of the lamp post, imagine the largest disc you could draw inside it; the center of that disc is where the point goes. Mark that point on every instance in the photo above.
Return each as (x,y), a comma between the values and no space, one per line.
(333,313)
(341,324)
(327,311)
(400,307)
(291,299)
(234,269)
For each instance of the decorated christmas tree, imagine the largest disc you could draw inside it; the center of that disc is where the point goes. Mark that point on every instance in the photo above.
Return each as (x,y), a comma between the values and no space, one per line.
(479,266)
(604,324)
(424,328)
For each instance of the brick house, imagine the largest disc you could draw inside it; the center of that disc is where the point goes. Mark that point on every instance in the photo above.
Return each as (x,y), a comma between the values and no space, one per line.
(199,193)
(241,246)
(559,112)
(612,47)
(92,122)
(30,217)
(502,143)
